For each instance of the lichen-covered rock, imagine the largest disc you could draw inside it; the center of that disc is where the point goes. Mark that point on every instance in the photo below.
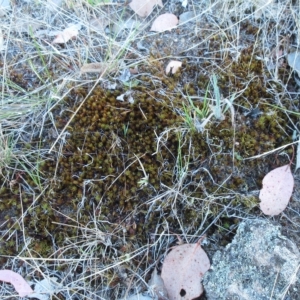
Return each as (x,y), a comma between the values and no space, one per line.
(259,264)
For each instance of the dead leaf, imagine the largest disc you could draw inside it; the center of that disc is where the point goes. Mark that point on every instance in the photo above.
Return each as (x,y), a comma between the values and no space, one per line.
(19,283)
(144,8)
(134,70)
(67,34)
(126,96)
(107,84)
(164,22)
(183,269)
(173,66)
(99,67)
(277,190)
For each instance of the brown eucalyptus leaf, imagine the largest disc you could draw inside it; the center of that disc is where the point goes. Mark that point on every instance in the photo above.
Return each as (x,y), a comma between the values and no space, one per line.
(182,271)
(19,283)
(144,7)
(277,190)
(164,22)
(173,66)
(67,34)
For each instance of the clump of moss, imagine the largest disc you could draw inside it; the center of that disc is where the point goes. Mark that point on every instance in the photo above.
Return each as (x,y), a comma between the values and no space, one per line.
(98,170)
(119,156)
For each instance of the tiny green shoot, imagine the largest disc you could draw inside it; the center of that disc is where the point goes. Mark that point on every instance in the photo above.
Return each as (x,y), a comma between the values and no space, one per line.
(125,129)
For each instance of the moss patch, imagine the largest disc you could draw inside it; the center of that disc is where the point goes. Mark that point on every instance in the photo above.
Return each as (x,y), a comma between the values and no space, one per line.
(109,147)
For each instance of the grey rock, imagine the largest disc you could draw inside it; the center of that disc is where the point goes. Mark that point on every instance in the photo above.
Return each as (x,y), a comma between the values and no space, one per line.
(259,264)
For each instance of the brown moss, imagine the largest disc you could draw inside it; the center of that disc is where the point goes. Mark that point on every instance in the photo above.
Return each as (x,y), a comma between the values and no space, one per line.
(98,162)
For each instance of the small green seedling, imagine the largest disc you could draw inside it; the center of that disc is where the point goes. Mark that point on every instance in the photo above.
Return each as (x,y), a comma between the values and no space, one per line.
(125,129)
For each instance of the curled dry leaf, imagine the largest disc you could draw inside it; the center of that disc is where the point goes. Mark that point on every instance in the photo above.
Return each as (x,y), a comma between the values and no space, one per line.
(145,7)
(19,283)
(182,271)
(126,96)
(67,34)
(277,190)
(173,66)
(164,22)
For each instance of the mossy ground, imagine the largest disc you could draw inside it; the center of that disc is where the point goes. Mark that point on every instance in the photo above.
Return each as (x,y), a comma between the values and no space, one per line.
(126,175)
(97,172)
